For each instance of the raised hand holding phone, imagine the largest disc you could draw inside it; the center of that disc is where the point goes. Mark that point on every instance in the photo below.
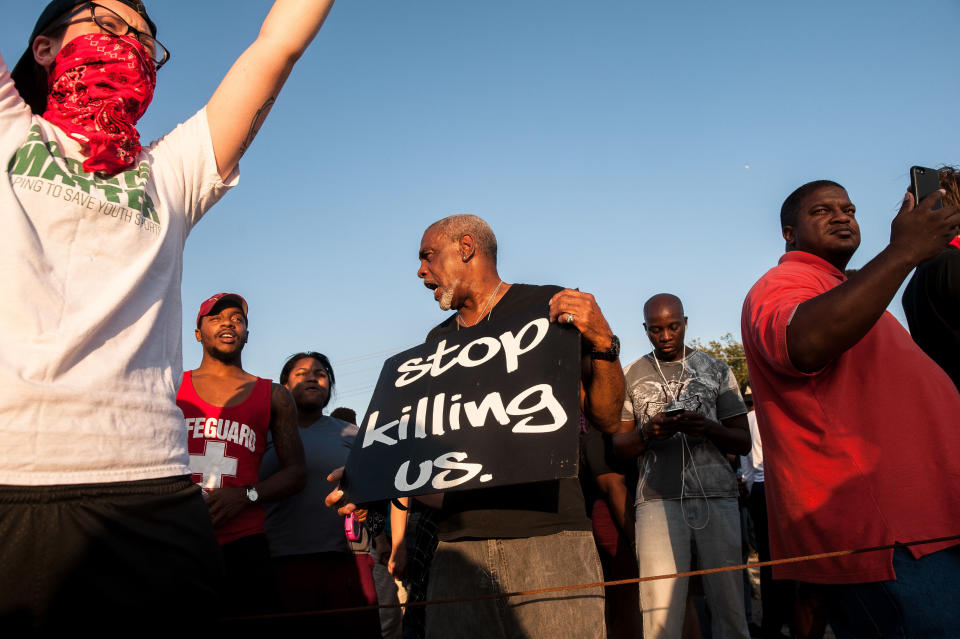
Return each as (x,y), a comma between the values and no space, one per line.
(924,182)
(923,228)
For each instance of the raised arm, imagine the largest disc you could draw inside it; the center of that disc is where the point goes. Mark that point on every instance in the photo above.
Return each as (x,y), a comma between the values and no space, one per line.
(14,113)
(602,386)
(825,326)
(603,391)
(241,102)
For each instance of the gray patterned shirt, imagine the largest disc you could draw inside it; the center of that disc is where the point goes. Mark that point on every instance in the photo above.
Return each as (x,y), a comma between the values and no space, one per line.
(702,384)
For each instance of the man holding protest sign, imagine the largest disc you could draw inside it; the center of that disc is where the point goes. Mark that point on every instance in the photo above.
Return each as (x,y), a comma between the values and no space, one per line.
(517,534)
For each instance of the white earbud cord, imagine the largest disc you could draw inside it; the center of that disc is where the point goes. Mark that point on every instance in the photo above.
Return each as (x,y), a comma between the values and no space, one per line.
(684,444)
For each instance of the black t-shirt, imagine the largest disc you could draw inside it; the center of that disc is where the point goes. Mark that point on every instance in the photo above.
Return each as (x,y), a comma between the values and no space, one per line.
(931,303)
(522,510)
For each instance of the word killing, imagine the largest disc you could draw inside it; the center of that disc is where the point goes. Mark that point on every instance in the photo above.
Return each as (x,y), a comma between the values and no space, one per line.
(476,415)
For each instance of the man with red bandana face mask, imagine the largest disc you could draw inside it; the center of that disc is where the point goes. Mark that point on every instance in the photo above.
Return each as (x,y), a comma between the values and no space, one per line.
(99,83)
(100,521)
(100,87)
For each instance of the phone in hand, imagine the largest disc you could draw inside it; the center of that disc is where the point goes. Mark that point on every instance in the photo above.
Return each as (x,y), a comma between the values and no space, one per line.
(923,182)
(673,409)
(352,527)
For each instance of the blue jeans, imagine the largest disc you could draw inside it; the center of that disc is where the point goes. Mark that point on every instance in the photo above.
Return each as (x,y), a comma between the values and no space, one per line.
(665,530)
(920,603)
(487,566)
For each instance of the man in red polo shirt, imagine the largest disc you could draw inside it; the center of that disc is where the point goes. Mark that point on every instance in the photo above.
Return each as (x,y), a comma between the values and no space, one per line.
(859,426)
(229,413)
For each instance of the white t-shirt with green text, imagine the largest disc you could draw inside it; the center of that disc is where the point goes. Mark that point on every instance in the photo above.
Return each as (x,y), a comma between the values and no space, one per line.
(90,273)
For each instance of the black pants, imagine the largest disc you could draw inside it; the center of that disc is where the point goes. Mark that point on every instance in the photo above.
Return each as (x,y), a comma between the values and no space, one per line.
(250,586)
(776,595)
(105,556)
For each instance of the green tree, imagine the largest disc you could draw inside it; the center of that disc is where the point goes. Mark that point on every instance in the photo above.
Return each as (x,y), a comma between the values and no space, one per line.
(729,351)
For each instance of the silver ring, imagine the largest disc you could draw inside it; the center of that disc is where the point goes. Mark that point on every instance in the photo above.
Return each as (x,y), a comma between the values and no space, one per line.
(569,318)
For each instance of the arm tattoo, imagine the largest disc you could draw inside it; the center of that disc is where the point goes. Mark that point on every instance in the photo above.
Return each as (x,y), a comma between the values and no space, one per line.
(283,427)
(257,122)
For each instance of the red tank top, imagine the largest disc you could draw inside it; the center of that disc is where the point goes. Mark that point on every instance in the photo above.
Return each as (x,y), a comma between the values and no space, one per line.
(226,445)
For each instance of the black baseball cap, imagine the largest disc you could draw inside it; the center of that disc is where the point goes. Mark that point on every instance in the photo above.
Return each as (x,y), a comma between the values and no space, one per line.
(57,8)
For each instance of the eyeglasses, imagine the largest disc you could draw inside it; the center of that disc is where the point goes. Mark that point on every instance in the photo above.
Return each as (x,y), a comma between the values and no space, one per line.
(112,23)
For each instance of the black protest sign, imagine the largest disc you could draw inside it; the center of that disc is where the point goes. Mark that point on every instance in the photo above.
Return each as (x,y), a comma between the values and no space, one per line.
(491,405)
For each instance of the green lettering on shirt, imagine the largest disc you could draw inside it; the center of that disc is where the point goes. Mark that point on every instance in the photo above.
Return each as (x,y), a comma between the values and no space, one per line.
(53,170)
(38,158)
(29,160)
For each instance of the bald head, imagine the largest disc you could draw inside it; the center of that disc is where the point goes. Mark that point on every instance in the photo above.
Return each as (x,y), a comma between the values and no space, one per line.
(656,304)
(666,325)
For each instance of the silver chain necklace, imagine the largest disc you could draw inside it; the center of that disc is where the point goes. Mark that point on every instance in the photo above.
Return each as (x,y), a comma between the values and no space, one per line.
(461,321)
(683,369)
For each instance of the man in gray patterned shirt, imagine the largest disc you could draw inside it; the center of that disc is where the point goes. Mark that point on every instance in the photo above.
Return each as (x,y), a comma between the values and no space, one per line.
(685,414)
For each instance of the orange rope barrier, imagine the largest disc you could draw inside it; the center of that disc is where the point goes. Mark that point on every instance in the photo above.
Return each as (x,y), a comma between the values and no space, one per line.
(617,582)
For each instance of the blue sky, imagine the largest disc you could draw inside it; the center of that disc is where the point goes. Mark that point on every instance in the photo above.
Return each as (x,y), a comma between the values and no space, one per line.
(623,147)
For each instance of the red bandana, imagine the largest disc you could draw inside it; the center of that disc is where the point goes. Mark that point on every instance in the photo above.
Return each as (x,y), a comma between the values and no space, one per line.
(100,85)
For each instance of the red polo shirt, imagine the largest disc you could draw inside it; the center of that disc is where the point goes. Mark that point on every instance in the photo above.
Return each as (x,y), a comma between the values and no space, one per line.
(864,452)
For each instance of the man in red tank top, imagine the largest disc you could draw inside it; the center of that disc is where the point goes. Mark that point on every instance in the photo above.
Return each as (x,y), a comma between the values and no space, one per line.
(228,414)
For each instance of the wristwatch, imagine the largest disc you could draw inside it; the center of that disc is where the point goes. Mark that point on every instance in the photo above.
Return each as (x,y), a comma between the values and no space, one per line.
(252,494)
(611,353)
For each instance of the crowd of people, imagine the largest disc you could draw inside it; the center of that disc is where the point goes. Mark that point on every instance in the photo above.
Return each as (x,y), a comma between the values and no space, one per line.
(125,485)
(828,458)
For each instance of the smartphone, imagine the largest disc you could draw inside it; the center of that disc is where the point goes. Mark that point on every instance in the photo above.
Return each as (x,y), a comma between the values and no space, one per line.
(352,527)
(923,182)
(673,409)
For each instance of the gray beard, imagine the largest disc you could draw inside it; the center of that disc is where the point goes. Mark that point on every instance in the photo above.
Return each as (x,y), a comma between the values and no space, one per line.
(446,298)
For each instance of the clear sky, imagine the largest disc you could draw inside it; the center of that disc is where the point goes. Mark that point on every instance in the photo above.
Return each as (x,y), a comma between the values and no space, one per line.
(623,147)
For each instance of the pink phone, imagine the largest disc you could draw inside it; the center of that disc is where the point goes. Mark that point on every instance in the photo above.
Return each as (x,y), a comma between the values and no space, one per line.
(352,527)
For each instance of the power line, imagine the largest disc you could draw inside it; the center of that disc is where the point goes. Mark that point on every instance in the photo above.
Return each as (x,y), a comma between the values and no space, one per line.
(389,351)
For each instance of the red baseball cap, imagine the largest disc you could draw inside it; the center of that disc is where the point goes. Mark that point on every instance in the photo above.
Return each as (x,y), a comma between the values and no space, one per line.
(221,299)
